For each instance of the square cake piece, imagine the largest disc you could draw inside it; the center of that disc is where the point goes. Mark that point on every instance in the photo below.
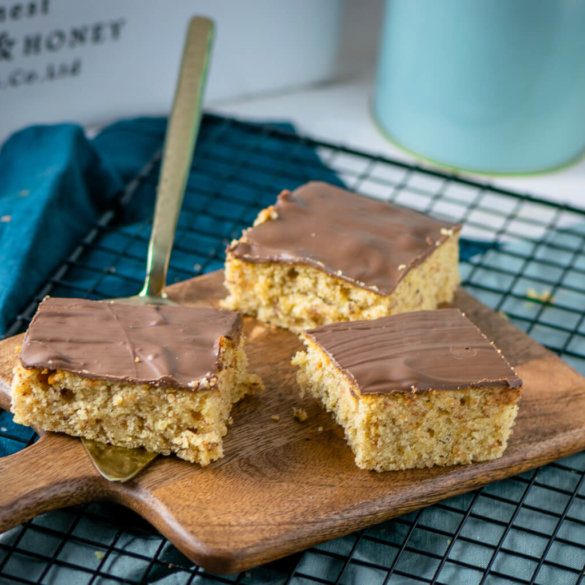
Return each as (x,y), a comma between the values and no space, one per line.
(159,377)
(322,255)
(412,390)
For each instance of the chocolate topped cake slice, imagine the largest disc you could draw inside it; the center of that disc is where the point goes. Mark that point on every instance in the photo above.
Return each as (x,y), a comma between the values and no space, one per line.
(159,377)
(412,390)
(322,255)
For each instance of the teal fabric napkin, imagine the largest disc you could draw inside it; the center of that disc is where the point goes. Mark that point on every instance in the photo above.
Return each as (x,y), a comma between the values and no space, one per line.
(54,184)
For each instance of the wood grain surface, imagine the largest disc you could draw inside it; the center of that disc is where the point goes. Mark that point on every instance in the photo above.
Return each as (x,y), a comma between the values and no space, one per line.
(283,486)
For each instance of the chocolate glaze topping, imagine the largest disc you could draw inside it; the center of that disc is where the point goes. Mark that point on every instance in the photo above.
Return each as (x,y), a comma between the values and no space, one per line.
(147,344)
(410,352)
(369,243)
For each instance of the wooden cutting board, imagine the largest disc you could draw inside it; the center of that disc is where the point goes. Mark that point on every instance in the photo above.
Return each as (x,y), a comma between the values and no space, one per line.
(284,486)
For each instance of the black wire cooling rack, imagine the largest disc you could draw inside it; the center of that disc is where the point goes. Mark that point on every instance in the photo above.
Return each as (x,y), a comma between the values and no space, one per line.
(520,255)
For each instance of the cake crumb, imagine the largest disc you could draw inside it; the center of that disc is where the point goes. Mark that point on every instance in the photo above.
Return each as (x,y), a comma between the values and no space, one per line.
(275,417)
(99,554)
(300,414)
(6,218)
(546,297)
(402,267)
(446,232)
(137,360)
(319,429)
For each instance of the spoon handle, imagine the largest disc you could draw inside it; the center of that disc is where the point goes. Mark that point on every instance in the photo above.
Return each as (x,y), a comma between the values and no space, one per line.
(180,139)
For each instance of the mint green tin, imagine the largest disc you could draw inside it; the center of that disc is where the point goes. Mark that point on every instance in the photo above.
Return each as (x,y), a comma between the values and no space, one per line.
(491,86)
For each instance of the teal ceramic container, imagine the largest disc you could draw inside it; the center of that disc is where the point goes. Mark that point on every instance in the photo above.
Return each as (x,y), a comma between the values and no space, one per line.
(494,86)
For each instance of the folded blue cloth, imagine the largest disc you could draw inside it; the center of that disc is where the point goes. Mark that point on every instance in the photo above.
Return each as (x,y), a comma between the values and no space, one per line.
(54,184)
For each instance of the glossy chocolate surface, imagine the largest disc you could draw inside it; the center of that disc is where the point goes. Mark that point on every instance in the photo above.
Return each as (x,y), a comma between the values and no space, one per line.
(418,351)
(162,345)
(369,243)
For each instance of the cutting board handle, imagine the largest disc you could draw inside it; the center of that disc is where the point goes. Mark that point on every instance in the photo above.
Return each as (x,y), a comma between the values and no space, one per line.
(52,473)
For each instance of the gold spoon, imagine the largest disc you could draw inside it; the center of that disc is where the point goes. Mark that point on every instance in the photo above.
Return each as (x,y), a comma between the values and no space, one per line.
(119,463)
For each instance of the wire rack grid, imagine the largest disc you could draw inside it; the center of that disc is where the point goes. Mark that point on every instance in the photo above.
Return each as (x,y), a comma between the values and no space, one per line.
(520,255)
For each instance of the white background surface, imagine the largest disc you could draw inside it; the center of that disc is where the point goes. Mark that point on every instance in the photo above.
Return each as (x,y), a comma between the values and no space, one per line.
(339,111)
(96,61)
(336,111)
